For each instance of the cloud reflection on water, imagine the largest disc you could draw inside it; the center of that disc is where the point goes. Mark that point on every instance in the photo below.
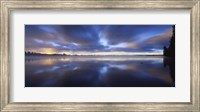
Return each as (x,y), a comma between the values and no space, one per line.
(104,71)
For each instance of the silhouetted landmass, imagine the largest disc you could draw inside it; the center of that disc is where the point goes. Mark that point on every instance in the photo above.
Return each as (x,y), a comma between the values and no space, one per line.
(170,51)
(28,53)
(170,63)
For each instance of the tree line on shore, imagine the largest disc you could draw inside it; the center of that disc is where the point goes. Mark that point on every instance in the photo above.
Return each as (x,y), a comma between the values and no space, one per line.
(28,53)
(170,51)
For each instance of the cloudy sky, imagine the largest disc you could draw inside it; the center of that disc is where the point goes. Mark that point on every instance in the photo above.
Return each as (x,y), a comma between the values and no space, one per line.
(97,38)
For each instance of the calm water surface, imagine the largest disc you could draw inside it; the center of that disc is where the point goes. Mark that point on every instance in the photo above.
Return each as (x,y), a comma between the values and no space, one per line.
(99,71)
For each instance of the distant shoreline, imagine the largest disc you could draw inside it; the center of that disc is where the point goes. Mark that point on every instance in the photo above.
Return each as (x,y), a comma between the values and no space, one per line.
(86,55)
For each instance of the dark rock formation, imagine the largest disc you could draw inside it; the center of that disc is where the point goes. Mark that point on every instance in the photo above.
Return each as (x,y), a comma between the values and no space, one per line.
(170,51)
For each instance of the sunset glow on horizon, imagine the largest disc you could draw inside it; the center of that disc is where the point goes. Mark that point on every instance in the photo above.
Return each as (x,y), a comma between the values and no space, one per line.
(97,39)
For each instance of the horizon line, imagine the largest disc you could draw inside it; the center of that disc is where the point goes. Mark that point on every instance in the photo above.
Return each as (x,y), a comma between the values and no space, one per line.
(97,53)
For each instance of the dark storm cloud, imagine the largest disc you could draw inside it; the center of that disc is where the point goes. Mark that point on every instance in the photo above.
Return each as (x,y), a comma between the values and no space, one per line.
(97,37)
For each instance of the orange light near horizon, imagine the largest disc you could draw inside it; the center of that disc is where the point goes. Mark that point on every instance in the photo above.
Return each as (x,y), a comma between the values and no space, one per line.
(48,51)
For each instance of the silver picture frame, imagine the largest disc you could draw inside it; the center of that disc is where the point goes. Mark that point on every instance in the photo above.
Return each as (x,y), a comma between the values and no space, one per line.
(7,6)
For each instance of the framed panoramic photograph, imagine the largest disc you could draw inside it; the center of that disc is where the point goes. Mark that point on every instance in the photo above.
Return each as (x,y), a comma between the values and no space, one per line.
(99,55)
